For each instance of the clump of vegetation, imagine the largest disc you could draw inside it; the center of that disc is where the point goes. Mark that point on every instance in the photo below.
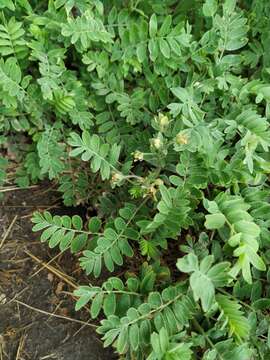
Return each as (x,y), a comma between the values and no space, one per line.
(155,114)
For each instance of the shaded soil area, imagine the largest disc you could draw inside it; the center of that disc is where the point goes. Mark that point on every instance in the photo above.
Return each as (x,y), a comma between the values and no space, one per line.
(37,317)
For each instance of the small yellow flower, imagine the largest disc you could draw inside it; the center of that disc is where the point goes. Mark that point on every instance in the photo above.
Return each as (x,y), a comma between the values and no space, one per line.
(138,156)
(158,182)
(157,143)
(151,191)
(181,139)
(116,177)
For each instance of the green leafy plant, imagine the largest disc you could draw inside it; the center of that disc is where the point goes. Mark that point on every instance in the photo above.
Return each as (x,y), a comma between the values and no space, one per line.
(155,115)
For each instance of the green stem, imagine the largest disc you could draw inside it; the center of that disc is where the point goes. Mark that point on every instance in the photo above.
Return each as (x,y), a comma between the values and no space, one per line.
(201,331)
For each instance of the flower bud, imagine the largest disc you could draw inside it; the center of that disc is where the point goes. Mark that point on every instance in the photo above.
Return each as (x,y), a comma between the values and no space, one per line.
(163,121)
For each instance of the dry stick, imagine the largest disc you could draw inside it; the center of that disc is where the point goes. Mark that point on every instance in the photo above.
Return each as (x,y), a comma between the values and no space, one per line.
(19,312)
(55,310)
(52,269)
(25,206)
(81,328)
(16,261)
(54,315)
(8,231)
(48,356)
(2,348)
(20,347)
(56,272)
(17,295)
(43,266)
(16,188)
(62,277)
(51,188)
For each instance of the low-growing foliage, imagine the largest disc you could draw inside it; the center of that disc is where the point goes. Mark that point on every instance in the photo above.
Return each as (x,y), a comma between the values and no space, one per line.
(154,114)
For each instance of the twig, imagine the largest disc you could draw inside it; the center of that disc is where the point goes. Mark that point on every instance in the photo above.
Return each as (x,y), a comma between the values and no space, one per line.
(43,266)
(14,188)
(17,295)
(25,206)
(55,310)
(81,328)
(52,269)
(20,347)
(2,348)
(50,356)
(8,231)
(54,315)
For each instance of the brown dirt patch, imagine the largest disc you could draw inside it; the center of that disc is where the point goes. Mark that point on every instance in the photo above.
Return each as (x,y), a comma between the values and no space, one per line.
(25,332)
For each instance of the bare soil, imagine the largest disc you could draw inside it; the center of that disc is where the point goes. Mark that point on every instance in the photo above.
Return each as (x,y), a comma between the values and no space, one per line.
(37,317)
